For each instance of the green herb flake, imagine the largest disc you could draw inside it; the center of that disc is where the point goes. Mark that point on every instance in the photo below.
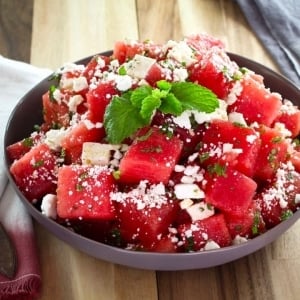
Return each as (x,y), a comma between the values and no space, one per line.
(190,244)
(256,223)
(217,169)
(276,139)
(79,187)
(240,125)
(152,149)
(52,89)
(122,70)
(27,142)
(116,174)
(203,157)
(272,157)
(286,215)
(38,163)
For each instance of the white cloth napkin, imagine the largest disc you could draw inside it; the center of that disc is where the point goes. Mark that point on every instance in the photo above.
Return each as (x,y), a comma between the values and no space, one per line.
(16,78)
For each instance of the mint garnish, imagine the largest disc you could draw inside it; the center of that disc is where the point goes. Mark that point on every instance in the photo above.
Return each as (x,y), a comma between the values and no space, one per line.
(133,110)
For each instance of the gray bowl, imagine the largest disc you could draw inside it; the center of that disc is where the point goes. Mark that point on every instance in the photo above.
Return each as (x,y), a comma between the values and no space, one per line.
(28,113)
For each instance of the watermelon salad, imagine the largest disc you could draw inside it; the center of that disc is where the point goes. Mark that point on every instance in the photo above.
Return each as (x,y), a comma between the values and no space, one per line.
(162,147)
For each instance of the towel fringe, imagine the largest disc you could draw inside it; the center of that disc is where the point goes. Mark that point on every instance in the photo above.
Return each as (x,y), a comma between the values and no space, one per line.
(26,287)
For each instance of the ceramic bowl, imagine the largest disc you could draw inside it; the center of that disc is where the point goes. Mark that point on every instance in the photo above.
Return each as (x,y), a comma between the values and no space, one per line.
(28,112)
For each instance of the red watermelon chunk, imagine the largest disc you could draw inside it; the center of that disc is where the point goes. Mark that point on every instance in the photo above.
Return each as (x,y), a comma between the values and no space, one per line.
(84,131)
(154,74)
(273,151)
(203,43)
(97,63)
(291,121)
(209,233)
(231,144)
(145,213)
(256,102)
(239,188)
(18,149)
(248,223)
(124,51)
(152,156)
(280,198)
(55,114)
(97,100)
(35,172)
(84,193)
(214,71)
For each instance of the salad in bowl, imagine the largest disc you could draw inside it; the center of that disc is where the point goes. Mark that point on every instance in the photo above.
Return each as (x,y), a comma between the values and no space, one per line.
(169,148)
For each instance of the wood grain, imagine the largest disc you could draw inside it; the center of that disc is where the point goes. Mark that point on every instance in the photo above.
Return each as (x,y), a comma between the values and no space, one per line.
(64,31)
(15,29)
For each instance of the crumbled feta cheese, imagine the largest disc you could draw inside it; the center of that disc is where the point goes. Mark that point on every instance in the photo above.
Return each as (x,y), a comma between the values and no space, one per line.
(96,153)
(79,84)
(181,52)
(227,147)
(57,95)
(288,107)
(48,206)
(234,93)
(219,113)
(236,117)
(183,120)
(282,129)
(54,137)
(179,168)
(123,82)
(180,74)
(251,138)
(74,102)
(185,203)
(211,245)
(90,125)
(297,199)
(188,190)
(239,240)
(200,211)
(139,66)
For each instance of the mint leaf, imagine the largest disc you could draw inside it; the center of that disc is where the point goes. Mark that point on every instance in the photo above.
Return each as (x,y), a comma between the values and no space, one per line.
(121,120)
(171,105)
(139,94)
(149,105)
(164,85)
(194,96)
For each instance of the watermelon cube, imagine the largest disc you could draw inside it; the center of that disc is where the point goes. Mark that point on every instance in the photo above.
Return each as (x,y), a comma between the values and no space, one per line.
(209,72)
(291,122)
(233,144)
(279,199)
(209,233)
(273,152)
(56,114)
(256,102)
(35,172)
(145,213)
(248,223)
(97,100)
(152,156)
(239,188)
(85,131)
(84,193)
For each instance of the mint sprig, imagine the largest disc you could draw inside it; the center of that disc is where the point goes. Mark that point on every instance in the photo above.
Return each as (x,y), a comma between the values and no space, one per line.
(133,110)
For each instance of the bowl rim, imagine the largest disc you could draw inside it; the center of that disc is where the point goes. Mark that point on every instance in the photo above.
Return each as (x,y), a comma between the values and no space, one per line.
(143,259)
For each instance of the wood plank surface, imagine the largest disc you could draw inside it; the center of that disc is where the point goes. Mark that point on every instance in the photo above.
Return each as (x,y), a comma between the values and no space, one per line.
(68,30)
